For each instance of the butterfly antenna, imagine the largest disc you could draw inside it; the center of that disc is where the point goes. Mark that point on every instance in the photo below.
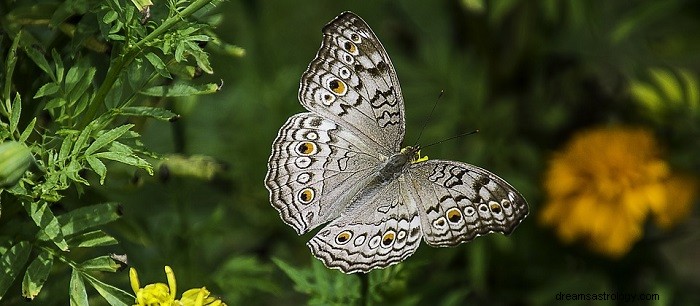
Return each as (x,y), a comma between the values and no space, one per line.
(453,137)
(430,116)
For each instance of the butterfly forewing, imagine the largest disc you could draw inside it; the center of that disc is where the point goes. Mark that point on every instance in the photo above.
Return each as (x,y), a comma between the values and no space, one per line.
(352,81)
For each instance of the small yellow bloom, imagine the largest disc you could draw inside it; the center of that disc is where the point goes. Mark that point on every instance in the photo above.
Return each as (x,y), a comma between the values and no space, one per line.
(160,294)
(604,185)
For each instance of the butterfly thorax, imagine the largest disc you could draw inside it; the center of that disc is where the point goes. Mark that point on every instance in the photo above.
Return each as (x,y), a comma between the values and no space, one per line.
(397,163)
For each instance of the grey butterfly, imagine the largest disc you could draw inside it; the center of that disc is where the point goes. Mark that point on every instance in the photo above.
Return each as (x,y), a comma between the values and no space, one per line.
(341,163)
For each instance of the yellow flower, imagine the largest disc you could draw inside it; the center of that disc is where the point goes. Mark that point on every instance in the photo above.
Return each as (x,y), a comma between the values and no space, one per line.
(604,185)
(160,294)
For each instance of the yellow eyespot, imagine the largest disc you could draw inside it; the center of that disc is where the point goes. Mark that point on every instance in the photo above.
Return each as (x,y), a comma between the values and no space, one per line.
(306,195)
(388,238)
(350,47)
(306,148)
(454,215)
(343,237)
(495,207)
(337,86)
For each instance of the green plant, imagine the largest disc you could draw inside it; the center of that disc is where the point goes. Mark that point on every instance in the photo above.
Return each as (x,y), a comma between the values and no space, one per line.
(78,78)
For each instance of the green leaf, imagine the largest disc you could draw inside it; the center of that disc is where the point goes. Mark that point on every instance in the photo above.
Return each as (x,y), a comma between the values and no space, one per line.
(46,90)
(158,64)
(39,59)
(78,295)
(16,113)
(60,69)
(27,131)
(11,263)
(10,68)
(110,17)
(82,140)
(107,138)
(668,83)
(113,295)
(145,111)
(92,239)
(37,273)
(82,85)
(83,218)
(64,152)
(298,276)
(42,215)
(126,159)
(102,264)
(181,90)
(98,167)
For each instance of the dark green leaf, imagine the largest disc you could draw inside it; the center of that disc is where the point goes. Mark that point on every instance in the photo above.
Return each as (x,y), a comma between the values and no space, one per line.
(27,131)
(79,89)
(11,263)
(102,263)
(126,159)
(82,140)
(98,167)
(113,295)
(158,64)
(107,138)
(181,90)
(54,103)
(92,239)
(145,111)
(37,273)
(39,59)
(46,90)
(78,295)
(66,145)
(16,113)
(42,215)
(83,218)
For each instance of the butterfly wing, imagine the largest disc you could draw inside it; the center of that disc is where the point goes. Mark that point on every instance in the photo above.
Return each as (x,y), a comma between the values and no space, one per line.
(384,230)
(311,158)
(352,82)
(458,202)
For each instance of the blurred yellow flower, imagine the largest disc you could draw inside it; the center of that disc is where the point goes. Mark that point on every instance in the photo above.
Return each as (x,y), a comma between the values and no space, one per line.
(160,294)
(606,182)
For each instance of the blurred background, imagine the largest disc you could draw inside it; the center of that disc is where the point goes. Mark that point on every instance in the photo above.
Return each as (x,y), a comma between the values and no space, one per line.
(589,108)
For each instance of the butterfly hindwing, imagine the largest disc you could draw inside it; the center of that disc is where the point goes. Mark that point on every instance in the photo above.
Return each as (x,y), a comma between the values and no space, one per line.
(383,231)
(458,202)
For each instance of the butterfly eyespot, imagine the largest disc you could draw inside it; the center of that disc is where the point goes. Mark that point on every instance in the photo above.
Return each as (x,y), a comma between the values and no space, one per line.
(343,237)
(304,177)
(374,242)
(327,98)
(303,162)
(505,204)
(439,223)
(388,238)
(454,215)
(359,240)
(344,73)
(306,195)
(337,86)
(348,59)
(469,211)
(401,235)
(495,207)
(350,47)
(483,208)
(311,135)
(306,148)
(356,38)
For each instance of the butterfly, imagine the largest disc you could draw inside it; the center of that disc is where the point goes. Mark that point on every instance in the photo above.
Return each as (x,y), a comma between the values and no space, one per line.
(341,164)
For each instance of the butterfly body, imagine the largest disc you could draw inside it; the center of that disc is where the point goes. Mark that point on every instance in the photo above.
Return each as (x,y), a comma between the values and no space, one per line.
(341,164)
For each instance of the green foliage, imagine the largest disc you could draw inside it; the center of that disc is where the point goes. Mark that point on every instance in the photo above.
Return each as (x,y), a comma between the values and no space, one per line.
(80,79)
(74,75)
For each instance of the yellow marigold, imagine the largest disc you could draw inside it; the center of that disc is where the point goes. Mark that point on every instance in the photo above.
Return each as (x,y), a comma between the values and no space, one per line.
(606,182)
(160,294)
